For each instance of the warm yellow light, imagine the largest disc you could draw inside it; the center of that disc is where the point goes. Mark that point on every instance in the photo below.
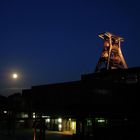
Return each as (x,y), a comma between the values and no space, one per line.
(101,121)
(73,127)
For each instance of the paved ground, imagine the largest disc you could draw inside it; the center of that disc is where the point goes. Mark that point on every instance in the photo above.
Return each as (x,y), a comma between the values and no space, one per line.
(27,134)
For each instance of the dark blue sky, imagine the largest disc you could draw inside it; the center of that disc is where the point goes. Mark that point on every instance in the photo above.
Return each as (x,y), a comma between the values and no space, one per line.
(54,41)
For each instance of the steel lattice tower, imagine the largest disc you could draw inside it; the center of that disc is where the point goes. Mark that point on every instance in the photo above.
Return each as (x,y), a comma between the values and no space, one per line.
(111,57)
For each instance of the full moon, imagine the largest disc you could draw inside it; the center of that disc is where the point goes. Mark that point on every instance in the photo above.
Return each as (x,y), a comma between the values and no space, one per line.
(14,75)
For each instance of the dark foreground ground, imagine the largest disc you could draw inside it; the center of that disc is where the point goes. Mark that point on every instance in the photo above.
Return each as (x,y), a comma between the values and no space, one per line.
(27,134)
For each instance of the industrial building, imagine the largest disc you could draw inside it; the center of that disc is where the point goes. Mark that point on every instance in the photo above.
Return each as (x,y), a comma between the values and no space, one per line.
(103,104)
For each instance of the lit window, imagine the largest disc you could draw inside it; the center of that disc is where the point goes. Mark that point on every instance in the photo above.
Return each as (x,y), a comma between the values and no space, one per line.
(21,121)
(44,116)
(73,127)
(101,122)
(89,122)
(60,120)
(47,120)
(60,127)
(33,114)
(5,112)
(24,115)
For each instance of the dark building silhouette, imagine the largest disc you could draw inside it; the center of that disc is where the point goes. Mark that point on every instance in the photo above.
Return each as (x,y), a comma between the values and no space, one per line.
(105,102)
(101,105)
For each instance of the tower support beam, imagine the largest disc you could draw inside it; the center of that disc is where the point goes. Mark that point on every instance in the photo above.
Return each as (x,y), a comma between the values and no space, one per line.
(111,57)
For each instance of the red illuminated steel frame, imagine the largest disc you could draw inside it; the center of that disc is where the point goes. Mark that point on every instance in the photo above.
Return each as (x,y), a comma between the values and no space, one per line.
(111,57)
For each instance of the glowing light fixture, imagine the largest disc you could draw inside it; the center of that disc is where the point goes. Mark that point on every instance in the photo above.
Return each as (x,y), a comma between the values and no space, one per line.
(60,120)
(47,120)
(5,112)
(73,127)
(33,114)
(60,127)
(44,116)
(101,121)
(25,116)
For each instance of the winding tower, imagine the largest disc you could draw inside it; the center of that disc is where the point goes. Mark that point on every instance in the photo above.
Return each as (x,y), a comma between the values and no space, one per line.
(111,56)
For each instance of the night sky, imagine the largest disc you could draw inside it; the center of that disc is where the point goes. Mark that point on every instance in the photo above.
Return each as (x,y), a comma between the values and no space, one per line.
(54,41)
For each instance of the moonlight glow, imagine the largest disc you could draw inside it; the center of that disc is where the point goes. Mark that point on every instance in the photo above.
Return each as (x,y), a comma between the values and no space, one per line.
(14,75)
